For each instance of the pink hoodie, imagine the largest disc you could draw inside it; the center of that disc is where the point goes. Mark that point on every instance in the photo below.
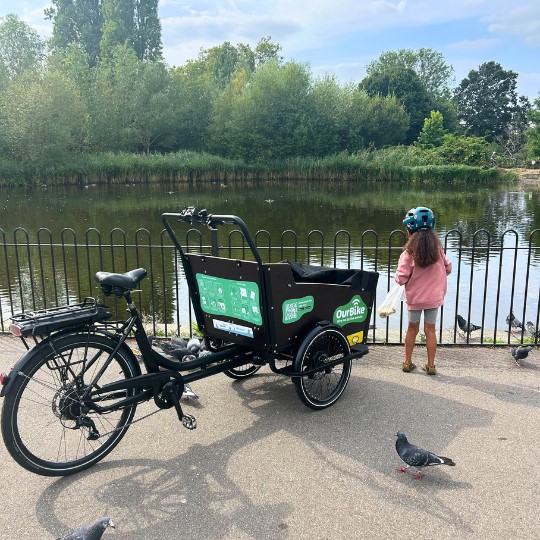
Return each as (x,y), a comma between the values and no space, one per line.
(425,287)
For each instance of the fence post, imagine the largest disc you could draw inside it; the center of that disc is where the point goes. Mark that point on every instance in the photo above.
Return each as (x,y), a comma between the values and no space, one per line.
(214,248)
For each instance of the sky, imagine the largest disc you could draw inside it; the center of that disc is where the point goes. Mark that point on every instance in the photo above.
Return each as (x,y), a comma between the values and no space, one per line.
(341,37)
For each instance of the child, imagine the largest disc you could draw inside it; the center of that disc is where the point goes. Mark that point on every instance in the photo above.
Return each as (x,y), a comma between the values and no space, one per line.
(423,269)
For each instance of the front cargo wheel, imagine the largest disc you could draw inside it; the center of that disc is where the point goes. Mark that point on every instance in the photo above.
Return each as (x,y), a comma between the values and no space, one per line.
(322,346)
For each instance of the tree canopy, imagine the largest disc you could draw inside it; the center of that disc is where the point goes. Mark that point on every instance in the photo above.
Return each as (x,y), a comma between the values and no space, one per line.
(433,71)
(99,25)
(21,48)
(488,102)
(405,85)
(103,86)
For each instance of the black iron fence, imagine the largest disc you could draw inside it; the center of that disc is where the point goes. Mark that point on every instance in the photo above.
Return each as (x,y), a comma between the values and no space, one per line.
(492,277)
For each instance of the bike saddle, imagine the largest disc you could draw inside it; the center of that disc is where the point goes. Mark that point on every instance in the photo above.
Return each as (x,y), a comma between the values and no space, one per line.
(117,284)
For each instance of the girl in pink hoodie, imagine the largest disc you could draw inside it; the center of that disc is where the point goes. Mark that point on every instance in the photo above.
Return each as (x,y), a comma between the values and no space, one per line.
(423,268)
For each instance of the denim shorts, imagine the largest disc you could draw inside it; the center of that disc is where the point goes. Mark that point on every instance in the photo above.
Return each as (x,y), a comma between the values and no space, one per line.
(430,315)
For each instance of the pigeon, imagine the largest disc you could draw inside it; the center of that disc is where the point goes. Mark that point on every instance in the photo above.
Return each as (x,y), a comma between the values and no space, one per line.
(194,345)
(177,351)
(520,353)
(178,341)
(94,531)
(532,329)
(466,327)
(513,322)
(417,457)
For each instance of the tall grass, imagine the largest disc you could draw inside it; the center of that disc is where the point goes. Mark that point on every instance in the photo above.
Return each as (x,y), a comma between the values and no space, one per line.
(392,164)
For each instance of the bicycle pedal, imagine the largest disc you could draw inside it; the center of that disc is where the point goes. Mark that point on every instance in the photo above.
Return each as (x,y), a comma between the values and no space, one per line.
(189,421)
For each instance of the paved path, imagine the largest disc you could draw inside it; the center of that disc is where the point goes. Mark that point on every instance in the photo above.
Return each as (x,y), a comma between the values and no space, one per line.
(262,466)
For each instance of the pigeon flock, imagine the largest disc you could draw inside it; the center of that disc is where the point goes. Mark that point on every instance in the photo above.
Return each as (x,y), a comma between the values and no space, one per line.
(183,350)
(417,457)
(93,531)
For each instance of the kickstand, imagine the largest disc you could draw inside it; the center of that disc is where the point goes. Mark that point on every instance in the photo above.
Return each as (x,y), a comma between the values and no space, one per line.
(173,392)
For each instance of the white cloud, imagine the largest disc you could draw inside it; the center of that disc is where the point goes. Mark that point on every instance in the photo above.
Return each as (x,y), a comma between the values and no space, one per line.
(474,44)
(523,21)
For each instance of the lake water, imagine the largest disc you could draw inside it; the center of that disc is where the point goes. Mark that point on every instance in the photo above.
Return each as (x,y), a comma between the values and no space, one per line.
(304,207)
(273,206)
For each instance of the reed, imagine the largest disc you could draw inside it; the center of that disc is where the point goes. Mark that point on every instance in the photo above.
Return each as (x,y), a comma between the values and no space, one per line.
(391,164)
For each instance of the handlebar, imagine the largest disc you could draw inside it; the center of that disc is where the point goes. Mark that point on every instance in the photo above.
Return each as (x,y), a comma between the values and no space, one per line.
(192,216)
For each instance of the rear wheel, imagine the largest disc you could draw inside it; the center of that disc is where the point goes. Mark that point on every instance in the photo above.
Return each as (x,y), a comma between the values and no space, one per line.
(323,387)
(47,426)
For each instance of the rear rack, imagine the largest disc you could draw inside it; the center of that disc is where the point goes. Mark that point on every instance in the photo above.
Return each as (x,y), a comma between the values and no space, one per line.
(44,321)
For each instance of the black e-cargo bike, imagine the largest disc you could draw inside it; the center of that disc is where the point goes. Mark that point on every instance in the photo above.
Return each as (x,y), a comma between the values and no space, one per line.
(72,396)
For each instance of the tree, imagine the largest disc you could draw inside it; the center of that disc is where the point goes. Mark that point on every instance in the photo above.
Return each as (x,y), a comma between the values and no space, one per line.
(221,62)
(21,48)
(533,133)
(375,121)
(432,70)
(327,121)
(132,22)
(79,21)
(488,102)
(405,85)
(130,103)
(99,25)
(45,118)
(268,118)
(432,134)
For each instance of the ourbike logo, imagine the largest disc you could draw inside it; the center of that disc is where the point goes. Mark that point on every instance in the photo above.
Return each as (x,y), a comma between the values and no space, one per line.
(353,312)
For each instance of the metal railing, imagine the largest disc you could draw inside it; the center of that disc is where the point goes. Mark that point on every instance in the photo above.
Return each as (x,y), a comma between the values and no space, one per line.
(491,278)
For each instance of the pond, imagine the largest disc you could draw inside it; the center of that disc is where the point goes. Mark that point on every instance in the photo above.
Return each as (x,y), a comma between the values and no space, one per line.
(273,206)
(461,211)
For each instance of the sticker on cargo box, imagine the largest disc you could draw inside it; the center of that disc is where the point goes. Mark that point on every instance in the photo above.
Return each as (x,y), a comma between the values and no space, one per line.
(295,308)
(230,298)
(357,337)
(233,328)
(353,312)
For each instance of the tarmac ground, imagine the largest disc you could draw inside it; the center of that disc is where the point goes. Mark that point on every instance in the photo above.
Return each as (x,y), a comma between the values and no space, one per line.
(261,465)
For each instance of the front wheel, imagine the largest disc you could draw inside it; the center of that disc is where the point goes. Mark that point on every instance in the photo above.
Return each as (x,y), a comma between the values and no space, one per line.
(244,371)
(323,387)
(47,426)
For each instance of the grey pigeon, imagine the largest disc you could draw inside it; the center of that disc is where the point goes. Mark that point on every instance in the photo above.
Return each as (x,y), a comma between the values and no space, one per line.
(176,351)
(178,341)
(532,329)
(93,531)
(513,322)
(520,353)
(194,345)
(417,457)
(466,327)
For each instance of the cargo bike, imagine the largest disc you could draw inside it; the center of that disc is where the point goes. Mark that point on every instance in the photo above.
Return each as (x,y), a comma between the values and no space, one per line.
(72,396)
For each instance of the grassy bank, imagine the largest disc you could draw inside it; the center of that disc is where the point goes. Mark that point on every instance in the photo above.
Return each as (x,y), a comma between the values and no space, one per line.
(396,164)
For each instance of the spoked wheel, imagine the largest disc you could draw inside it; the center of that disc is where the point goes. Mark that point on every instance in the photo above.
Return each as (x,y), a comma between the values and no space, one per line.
(244,371)
(324,387)
(46,425)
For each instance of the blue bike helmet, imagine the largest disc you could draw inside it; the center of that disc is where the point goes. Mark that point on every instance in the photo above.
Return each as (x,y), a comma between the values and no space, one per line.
(419,218)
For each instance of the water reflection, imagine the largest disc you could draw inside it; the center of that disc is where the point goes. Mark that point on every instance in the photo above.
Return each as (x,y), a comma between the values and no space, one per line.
(117,228)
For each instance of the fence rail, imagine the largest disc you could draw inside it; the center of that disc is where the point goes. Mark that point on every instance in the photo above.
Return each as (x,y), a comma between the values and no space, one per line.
(492,276)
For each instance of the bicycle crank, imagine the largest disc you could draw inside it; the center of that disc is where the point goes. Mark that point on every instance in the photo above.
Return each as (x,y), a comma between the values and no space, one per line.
(173,392)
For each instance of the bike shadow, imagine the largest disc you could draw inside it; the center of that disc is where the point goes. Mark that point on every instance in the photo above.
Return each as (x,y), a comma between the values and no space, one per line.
(273,468)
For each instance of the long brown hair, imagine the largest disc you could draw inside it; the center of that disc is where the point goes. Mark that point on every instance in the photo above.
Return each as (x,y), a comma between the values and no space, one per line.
(424,247)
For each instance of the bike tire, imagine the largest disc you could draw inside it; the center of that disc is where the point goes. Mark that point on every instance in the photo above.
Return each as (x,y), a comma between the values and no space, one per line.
(39,414)
(322,388)
(242,372)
